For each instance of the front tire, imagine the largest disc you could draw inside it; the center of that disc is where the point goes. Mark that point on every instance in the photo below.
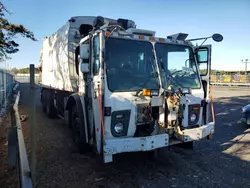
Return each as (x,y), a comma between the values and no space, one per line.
(75,125)
(43,103)
(43,100)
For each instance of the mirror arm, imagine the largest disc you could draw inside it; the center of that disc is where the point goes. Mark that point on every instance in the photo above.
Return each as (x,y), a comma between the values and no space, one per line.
(202,43)
(214,36)
(199,39)
(196,50)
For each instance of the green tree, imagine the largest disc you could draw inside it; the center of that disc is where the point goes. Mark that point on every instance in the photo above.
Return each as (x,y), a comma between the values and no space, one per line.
(14,70)
(26,70)
(8,31)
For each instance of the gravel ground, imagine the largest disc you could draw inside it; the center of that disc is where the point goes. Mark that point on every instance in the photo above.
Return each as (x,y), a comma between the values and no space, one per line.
(222,162)
(8,178)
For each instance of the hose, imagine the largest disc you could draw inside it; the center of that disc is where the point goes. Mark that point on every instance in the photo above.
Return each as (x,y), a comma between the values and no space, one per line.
(211,103)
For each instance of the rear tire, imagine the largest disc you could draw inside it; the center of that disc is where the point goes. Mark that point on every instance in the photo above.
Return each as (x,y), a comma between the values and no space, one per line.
(75,126)
(50,109)
(43,100)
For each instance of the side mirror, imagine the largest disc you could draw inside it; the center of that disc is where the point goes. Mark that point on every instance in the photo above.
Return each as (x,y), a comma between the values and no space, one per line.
(84,67)
(84,51)
(202,57)
(217,37)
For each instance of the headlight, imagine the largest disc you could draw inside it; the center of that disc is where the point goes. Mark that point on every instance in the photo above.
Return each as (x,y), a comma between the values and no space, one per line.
(120,123)
(118,128)
(193,114)
(193,117)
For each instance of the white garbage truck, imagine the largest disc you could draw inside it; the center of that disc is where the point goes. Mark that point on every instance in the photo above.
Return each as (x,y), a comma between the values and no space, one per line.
(122,89)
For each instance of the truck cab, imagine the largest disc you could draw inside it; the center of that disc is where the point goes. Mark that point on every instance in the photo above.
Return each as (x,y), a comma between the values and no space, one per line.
(143,92)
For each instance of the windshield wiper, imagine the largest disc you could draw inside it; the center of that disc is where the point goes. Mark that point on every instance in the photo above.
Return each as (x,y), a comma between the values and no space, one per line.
(173,80)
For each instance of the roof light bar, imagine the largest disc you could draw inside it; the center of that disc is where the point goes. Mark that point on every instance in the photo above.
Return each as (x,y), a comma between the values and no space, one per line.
(141,32)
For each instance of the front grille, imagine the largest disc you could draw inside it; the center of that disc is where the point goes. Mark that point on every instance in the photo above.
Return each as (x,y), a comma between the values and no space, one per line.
(144,114)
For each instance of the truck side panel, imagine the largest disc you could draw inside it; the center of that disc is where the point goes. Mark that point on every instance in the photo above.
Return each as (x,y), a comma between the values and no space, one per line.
(54,60)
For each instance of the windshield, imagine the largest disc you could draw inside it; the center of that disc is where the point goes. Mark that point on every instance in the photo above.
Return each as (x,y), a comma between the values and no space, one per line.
(177,66)
(130,65)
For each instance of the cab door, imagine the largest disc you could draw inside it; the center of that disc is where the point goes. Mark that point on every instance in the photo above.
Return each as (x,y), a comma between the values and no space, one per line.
(96,90)
(203,56)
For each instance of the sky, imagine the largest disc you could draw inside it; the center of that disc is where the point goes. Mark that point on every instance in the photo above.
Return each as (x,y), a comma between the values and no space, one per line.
(198,18)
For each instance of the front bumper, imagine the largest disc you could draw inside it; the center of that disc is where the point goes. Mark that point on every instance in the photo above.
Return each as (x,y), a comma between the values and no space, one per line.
(133,144)
(122,145)
(195,134)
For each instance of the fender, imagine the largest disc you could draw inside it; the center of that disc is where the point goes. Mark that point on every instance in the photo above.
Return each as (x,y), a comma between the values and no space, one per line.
(75,99)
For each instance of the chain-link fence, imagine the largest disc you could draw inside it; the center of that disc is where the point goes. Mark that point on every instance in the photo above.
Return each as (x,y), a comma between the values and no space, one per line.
(6,84)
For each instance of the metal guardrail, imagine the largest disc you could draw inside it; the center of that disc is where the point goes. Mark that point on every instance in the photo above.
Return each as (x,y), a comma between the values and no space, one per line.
(17,154)
(24,169)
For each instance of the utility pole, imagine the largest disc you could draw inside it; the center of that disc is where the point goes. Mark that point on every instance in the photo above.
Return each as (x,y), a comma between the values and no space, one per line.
(246,61)
(32,123)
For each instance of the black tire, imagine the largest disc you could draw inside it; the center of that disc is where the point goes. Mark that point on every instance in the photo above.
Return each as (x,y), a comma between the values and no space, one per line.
(75,127)
(43,100)
(50,109)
